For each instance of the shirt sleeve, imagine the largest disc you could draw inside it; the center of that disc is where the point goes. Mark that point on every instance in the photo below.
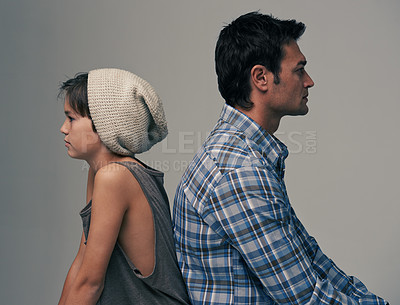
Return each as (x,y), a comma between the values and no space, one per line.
(249,210)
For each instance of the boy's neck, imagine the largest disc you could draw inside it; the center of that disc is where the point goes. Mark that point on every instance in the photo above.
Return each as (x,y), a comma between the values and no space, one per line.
(104,158)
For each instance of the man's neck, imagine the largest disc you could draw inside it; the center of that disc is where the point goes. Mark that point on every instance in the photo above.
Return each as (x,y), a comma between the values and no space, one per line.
(266,120)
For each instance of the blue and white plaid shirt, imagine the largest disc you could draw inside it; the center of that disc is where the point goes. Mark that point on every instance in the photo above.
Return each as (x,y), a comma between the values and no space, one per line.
(238,238)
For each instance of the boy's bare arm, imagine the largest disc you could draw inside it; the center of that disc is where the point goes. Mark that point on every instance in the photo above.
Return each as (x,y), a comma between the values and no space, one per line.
(73,271)
(76,264)
(109,204)
(90,184)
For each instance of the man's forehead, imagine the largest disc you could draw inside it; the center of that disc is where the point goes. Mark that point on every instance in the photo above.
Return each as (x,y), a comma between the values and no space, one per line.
(293,54)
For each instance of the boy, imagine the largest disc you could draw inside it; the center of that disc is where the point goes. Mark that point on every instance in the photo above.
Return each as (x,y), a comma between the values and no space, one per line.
(127,253)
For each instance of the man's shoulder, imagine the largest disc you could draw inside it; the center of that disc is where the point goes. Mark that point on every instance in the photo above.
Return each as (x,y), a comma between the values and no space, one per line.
(225,149)
(229,148)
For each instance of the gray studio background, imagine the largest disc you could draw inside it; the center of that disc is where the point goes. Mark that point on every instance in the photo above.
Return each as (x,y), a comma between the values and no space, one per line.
(343,171)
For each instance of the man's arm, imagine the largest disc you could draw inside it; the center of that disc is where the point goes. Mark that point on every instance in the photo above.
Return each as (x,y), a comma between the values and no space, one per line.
(250,210)
(325,267)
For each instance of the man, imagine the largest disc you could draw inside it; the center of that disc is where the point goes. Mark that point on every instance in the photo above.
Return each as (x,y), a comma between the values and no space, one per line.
(238,238)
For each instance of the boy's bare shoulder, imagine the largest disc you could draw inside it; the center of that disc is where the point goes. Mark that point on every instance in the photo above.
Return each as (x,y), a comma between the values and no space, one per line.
(112,170)
(116,176)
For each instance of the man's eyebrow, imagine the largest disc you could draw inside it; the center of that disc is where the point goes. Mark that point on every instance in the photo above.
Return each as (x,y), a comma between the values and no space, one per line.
(302,63)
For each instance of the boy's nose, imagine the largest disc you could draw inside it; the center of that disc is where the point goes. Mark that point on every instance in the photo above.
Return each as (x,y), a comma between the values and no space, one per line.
(63,128)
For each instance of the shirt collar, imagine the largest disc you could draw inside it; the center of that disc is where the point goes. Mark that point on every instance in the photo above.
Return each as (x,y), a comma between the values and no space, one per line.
(271,147)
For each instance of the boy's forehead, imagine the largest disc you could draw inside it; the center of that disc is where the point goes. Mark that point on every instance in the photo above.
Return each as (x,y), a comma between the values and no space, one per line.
(67,106)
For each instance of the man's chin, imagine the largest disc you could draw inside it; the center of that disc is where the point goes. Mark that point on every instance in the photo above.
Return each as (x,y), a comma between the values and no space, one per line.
(305,111)
(300,112)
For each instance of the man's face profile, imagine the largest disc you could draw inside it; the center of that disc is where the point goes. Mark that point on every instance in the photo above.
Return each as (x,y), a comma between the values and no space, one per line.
(289,97)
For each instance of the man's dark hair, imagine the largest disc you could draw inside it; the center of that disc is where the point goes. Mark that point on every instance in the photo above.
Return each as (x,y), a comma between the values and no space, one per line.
(252,39)
(75,89)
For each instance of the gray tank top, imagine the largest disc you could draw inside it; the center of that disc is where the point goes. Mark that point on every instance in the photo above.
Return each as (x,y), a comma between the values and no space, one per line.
(123,282)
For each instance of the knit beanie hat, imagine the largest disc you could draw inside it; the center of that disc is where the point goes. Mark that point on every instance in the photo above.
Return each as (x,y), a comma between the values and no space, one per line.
(126,111)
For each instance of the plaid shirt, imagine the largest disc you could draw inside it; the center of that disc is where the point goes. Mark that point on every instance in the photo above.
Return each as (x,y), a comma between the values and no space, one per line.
(238,238)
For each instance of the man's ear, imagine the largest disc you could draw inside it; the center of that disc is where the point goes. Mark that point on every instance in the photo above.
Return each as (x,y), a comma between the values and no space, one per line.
(259,77)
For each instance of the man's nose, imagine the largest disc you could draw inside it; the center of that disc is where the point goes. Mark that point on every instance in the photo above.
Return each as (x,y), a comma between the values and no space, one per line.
(308,82)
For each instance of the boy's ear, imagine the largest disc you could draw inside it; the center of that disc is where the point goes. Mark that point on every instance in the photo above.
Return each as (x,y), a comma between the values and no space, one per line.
(259,77)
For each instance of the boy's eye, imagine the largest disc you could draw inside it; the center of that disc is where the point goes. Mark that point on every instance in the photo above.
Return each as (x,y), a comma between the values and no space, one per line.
(70,118)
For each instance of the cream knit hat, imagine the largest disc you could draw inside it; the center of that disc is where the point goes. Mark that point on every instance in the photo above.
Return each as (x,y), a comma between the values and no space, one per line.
(126,111)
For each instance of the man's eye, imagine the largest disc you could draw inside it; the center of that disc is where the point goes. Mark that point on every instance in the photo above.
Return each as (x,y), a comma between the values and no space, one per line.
(70,118)
(300,71)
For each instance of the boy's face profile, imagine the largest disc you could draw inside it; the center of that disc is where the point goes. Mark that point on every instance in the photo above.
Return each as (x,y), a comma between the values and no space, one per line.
(80,139)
